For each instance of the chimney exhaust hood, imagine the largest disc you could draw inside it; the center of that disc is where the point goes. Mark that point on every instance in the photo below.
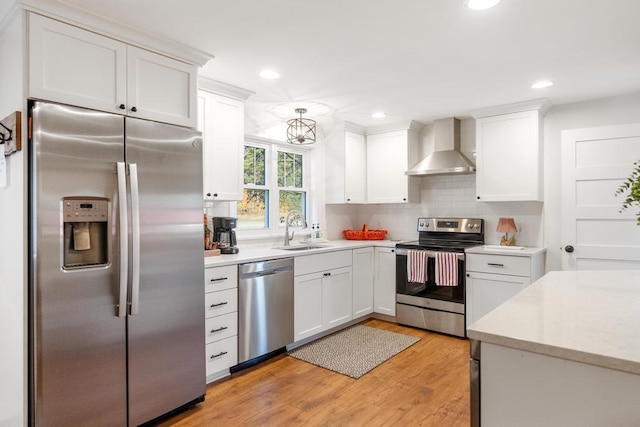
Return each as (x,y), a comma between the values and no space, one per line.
(446,158)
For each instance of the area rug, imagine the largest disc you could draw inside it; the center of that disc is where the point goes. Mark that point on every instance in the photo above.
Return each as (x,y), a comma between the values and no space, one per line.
(354,351)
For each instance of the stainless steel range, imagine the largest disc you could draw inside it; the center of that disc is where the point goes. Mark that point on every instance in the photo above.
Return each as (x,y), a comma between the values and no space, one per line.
(430,274)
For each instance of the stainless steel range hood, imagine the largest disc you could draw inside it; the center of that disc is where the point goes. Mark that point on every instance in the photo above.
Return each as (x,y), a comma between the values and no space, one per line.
(446,157)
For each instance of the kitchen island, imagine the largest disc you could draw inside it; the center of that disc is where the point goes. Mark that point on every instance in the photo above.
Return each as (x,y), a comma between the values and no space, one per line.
(564,351)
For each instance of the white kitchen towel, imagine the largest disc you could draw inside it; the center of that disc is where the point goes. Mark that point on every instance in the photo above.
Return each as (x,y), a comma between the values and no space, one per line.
(446,269)
(417,266)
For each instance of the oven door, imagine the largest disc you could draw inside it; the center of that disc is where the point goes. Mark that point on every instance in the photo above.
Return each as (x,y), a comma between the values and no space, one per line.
(428,290)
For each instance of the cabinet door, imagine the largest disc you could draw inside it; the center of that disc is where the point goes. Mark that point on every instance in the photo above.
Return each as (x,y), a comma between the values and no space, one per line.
(385,282)
(76,67)
(355,173)
(336,297)
(307,305)
(362,281)
(508,157)
(487,291)
(387,158)
(222,127)
(160,88)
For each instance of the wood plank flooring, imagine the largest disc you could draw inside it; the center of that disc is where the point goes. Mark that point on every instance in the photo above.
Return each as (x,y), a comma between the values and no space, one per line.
(425,385)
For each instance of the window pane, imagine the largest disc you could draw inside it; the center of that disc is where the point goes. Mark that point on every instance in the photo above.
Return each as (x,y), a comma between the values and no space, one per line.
(289,169)
(253,209)
(292,200)
(254,165)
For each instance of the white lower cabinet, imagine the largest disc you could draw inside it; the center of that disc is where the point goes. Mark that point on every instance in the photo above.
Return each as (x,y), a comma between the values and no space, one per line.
(323,292)
(493,278)
(363,262)
(385,281)
(221,320)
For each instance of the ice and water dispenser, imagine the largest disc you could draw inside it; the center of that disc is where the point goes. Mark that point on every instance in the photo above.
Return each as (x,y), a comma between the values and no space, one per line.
(86,232)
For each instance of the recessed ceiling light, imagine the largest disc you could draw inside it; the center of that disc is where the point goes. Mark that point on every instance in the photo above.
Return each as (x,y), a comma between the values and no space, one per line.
(269,74)
(480,4)
(541,84)
(379,115)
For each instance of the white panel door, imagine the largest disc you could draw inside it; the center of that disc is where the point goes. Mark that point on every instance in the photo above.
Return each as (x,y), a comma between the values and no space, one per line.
(385,282)
(336,297)
(76,67)
(362,281)
(307,305)
(160,88)
(595,235)
(222,126)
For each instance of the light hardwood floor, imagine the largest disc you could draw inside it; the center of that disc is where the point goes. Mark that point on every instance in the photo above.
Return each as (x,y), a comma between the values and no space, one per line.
(425,385)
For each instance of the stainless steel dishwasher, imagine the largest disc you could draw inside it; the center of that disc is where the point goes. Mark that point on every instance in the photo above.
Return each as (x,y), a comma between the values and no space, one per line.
(265,311)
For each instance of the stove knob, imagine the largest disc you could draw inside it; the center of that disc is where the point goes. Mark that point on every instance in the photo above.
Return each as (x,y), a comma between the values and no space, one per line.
(478,226)
(470,226)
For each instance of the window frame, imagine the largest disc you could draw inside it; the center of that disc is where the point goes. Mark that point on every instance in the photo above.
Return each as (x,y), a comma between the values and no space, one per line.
(272,147)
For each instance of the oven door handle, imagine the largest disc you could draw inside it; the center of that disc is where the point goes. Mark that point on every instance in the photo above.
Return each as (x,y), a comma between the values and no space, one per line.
(430,254)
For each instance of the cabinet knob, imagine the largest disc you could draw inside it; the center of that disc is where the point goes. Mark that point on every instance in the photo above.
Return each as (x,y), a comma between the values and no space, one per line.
(134,109)
(215,194)
(568,248)
(208,194)
(348,200)
(478,197)
(121,106)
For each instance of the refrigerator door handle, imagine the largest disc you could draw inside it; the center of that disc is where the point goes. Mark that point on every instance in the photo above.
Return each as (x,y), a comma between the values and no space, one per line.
(135,239)
(124,243)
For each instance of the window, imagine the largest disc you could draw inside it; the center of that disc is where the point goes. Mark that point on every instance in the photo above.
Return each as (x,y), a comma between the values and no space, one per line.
(274,183)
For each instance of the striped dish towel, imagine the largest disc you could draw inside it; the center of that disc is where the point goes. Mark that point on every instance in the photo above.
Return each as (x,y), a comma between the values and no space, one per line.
(417,266)
(446,269)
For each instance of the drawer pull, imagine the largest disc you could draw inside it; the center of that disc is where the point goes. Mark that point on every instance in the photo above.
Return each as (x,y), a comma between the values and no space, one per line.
(221,328)
(326,274)
(495,264)
(219,304)
(215,356)
(219,279)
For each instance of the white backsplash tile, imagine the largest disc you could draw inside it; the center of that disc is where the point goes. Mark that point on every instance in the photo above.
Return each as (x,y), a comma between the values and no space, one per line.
(441,196)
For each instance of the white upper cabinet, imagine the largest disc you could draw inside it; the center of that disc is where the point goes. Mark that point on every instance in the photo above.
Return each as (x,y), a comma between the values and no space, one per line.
(73,66)
(160,88)
(346,168)
(509,152)
(221,121)
(389,156)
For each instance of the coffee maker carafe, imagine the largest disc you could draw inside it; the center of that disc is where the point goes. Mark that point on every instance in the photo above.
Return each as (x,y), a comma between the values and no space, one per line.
(223,234)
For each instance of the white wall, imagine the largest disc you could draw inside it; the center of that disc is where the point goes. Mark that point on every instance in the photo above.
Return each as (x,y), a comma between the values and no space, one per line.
(601,112)
(13,289)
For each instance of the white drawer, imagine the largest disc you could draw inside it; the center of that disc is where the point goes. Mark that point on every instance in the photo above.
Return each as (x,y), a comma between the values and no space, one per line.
(221,327)
(499,264)
(219,278)
(221,355)
(306,264)
(221,302)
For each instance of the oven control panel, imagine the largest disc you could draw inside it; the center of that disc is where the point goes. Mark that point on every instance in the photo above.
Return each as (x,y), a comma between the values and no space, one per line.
(456,225)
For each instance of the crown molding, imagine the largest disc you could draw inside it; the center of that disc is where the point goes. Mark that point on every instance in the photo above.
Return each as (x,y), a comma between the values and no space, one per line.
(411,125)
(540,104)
(62,11)
(352,127)
(215,86)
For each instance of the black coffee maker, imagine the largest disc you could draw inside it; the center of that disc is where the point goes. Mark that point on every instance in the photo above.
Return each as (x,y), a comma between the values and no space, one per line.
(223,234)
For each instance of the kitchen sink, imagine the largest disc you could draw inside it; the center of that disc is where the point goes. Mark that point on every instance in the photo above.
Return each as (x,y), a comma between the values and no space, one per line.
(300,247)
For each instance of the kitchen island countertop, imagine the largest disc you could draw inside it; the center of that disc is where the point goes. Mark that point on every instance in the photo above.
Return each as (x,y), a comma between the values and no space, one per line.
(583,316)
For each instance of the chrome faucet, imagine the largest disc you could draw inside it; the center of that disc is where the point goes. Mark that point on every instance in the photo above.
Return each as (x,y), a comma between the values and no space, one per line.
(287,237)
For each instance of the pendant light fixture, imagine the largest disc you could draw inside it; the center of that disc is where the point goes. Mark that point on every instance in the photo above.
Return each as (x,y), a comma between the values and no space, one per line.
(301,131)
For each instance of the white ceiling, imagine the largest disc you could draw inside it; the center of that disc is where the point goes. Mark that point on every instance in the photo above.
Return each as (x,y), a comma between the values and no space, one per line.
(413,59)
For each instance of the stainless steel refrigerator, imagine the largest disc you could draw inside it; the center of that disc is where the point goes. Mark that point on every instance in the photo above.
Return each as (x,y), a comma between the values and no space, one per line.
(116,268)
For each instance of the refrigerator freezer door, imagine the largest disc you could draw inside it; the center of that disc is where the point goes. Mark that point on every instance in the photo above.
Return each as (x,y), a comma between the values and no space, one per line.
(78,353)
(166,328)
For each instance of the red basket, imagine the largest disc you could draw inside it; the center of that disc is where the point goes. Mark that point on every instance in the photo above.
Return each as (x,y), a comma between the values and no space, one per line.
(364,234)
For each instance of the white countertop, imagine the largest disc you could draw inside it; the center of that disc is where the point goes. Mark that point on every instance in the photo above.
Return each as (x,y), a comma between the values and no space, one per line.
(505,250)
(267,252)
(585,316)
